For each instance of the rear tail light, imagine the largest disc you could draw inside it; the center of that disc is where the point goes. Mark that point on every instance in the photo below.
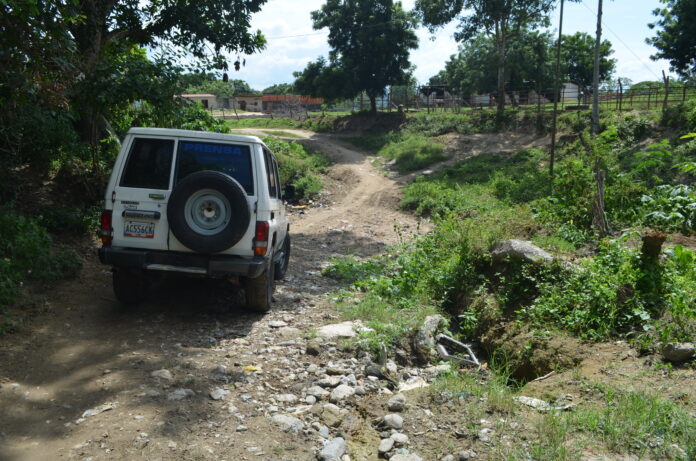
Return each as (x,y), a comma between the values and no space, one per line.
(261,238)
(106,231)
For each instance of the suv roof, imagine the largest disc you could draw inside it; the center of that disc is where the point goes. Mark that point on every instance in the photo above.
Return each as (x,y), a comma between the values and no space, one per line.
(193,134)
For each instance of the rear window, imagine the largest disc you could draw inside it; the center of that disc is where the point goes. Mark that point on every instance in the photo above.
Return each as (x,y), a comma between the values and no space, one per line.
(149,164)
(233,160)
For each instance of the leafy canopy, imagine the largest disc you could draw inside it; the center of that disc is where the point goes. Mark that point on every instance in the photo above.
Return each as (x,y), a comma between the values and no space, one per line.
(370,42)
(676,35)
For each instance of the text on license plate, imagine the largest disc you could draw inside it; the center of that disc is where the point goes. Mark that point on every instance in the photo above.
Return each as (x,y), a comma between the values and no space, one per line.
(140,229)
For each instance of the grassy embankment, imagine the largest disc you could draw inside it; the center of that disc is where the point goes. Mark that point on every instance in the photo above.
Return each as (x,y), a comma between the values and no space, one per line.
(599,289)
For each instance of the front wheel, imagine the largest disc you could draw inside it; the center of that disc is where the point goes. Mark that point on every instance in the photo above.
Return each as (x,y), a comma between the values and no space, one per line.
(130,287)
(259,291)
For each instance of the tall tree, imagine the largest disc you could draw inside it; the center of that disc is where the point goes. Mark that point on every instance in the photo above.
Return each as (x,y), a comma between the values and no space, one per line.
(279,88)
(499,19)
(676,35)
(577,59)
(324,80)
(104,31)
(370,42)
(529,64)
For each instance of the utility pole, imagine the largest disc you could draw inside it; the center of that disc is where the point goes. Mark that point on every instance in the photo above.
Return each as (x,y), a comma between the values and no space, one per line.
(556,95)
(595,77)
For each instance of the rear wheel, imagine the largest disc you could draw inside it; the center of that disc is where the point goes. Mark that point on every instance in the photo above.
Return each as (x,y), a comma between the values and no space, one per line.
(130,286)
(259,291)
(281,267)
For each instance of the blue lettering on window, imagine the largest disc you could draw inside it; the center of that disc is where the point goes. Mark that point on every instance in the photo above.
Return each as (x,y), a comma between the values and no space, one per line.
(212,148)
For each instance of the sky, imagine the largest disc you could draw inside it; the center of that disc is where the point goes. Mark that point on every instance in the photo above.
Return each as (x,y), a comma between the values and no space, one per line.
(292,42)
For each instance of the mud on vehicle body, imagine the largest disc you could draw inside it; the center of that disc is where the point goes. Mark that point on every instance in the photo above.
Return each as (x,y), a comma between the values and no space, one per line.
(197,203)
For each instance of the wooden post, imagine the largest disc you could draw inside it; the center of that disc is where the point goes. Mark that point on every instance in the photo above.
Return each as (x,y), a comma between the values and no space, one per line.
(595,76)
(556,96)
(620,95)
(665,78)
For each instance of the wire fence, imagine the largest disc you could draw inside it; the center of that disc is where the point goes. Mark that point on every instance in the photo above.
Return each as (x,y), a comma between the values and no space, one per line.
(570,97)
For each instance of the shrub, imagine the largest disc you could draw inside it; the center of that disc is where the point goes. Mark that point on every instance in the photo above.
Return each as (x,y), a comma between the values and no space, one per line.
(413,153)
(25,253)
(670,208)
(297,166)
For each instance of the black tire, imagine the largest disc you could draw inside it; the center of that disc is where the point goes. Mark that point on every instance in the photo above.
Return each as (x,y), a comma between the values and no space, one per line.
(208,192)
(130,286)
(259,291)
(281,267)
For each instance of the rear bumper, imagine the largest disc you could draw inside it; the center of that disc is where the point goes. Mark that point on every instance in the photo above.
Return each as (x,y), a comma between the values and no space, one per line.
(167,261)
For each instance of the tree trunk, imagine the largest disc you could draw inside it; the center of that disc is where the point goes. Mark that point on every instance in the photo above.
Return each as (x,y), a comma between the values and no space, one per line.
(500,100)
(373,103)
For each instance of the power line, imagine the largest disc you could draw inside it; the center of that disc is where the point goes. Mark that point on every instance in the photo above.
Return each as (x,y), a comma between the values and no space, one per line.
(622,42)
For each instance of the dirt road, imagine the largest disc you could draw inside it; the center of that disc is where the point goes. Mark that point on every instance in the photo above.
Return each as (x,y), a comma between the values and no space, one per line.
(88,382)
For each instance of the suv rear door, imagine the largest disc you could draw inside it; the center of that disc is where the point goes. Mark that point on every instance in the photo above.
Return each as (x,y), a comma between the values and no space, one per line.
(141,192)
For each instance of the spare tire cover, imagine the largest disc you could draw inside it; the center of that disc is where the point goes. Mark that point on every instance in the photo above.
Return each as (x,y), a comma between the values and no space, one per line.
(208,212)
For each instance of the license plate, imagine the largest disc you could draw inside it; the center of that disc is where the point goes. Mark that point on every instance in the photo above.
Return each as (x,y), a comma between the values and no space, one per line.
(139,229)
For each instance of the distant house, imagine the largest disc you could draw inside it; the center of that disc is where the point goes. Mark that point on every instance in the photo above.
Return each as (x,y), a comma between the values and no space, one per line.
(209,101)
(570,92)
(247,102)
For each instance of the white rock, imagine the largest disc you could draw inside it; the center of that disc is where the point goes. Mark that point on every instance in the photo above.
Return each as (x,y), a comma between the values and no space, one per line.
(393,421)
(400,439)
(180,394)
(277,324)
(218,394)
(318,392)
(338,330)
(385,446)
(467,455)
(162,374)
(341,393)
(288,423)
(286,398)
(333,450)
(397,403)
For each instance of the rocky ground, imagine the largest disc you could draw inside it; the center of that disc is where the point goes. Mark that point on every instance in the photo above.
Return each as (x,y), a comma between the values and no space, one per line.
(191,376)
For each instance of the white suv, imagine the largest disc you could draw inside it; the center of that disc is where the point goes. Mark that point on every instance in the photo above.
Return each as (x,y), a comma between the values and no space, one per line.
(199,203)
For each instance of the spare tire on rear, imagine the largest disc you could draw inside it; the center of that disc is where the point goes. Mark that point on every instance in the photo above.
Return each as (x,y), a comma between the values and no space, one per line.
(208,212)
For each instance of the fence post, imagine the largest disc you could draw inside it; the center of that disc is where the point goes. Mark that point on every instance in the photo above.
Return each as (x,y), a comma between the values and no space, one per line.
(620,95)
(666,80)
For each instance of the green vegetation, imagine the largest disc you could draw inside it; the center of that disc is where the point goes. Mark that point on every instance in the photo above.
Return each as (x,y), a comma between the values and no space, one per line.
(26,254)
(282,134)
(615,292)
(357,61)
(298,168)
(607,420)
(408,152)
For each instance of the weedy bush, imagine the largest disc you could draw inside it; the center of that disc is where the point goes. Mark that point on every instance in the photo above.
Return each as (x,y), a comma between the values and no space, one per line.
(412,152)
(25,253)
(637,422)
(297,167)
(604,296)
(670,208)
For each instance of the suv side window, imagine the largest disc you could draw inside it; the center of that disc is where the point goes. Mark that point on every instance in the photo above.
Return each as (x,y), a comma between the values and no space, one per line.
(277,177)
(271,174)
(149,164)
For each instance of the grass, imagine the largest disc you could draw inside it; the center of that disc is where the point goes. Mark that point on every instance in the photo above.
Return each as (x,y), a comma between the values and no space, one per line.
(408,152)
(389,324)
(611,421)
(283,134)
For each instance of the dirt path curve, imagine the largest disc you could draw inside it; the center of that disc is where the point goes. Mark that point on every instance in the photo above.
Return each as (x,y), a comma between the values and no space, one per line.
(78,383)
